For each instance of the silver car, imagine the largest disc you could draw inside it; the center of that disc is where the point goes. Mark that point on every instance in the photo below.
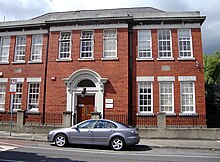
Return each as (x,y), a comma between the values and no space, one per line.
(96,132)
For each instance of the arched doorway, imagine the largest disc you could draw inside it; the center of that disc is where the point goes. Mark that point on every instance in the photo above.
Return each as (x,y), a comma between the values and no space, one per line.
(85,93)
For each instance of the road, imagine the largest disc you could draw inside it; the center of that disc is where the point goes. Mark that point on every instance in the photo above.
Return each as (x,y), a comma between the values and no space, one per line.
(32,151)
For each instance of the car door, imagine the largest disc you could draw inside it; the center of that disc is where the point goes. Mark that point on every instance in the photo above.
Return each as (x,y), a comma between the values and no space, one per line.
(102,131)
(82,134)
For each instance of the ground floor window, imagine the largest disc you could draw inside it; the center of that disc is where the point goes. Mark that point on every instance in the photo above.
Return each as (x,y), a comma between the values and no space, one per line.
(33,96)
(145,97)
(166,97)
(17,98)
(187,97)
(2,95)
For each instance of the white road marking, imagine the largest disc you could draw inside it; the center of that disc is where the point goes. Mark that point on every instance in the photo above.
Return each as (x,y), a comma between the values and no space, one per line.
(6,148)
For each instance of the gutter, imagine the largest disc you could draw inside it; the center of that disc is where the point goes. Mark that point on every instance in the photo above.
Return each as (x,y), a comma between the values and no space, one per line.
(45,77)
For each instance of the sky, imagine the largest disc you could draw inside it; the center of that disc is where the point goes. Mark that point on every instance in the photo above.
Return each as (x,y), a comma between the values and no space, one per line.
(26,9)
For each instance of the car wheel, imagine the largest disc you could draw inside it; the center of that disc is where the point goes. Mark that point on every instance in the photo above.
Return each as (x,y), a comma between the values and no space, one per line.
(117,143)
(60,140)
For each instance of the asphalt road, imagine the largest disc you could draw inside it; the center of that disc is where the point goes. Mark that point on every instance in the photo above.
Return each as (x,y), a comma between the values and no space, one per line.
(32,151)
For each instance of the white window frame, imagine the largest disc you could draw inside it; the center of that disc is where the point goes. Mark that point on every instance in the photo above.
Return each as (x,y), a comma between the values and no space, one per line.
(161,53)
(19,98)
(105,42)
(4,47)
(151,94)
(160,94)
(148,40)
(3,94)
(91,40)
(63,41)
(35,109)
(18,48)
(185,39)
(36,45)
(181,98)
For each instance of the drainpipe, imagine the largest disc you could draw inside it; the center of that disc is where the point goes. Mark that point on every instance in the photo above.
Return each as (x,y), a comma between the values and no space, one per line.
(130,70)
(45,77)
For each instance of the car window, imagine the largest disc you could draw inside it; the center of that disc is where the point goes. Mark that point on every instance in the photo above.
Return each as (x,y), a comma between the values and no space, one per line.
(105,124)
(87,125)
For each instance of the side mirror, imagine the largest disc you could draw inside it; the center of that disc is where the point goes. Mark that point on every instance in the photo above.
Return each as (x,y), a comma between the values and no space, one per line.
(76,127)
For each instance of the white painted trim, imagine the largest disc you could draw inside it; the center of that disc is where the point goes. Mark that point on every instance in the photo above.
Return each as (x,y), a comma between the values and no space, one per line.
(165,26)
(145,79)
(3,80)
(34,79)
(166,78)
(29,32)
(89,27)
(186,78)
(19,80)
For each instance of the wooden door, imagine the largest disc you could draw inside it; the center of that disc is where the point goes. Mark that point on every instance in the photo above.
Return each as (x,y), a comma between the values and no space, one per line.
(85,105)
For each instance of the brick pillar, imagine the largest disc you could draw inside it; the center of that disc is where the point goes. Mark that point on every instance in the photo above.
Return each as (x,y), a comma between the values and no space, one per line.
(161,120)
(96,115)
(20,118)
(67,119)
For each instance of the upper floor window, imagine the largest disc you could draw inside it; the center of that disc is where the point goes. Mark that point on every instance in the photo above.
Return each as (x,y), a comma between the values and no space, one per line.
(165,44)
(87,41)
(145,91)
(4,49)
(185,43)
(65,45)
(187,97)
(166,97)
(20,49)
(2,95)
(110,43)
(144,44)
(36,52)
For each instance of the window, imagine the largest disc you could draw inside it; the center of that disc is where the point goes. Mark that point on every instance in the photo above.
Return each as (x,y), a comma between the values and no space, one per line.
(110,43)
(36,52)
(104,124)
(2,95)
(86,44)
(144,44)
(20,49)
(87,124)
(33,96)
(4,49)
(86,83)
(145,97)
(185,43)
(65,45)
(166,97)
(164,41)
(17,98)
(187,97)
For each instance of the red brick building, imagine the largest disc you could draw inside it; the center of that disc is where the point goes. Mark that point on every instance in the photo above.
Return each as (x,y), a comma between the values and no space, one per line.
(134,61)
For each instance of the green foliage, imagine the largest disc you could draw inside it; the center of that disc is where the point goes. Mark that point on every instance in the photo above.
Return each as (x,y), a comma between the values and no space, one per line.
(212,68)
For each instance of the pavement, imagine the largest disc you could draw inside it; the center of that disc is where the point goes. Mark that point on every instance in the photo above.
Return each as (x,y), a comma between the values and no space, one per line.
(153,143)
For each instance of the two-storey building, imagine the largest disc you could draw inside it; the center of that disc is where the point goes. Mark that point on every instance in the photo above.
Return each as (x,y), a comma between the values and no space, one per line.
(132,61)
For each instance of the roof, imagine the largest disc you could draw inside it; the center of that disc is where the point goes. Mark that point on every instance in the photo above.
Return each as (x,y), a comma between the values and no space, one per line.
(139,13)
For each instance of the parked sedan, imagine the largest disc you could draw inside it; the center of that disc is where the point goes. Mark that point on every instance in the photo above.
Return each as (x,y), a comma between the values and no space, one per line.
(96,132)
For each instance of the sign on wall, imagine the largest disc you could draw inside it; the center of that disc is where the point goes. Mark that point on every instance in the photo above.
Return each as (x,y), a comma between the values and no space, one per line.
(13,86)
(109,103)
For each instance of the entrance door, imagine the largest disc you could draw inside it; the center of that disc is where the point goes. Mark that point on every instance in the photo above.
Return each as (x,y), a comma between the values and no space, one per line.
(85,105)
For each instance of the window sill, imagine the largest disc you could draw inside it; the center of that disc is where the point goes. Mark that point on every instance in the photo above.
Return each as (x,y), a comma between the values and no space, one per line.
(165,59)
(86,59)
(188,114)
(33,112)
(186,59)
(145,114)
(109,58)
(170,114)
(4,63)
(35,62)
(64,60)
(144,59)
(2,111)
(18,62)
